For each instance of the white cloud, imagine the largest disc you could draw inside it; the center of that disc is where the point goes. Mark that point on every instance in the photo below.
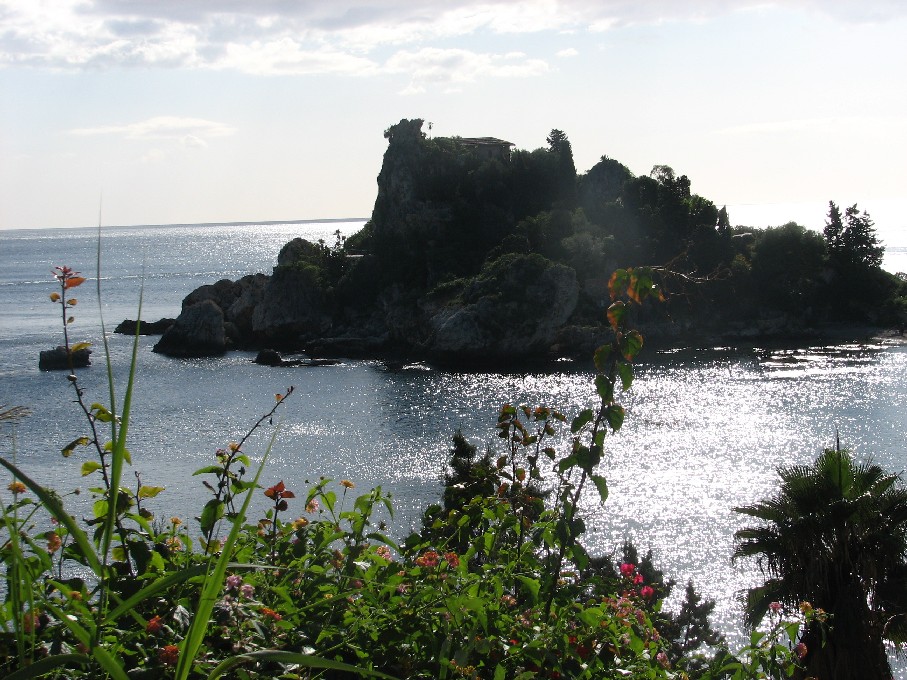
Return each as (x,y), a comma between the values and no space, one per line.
(288,57)
(452,66)
(163,127)
(569,52)
(278,37)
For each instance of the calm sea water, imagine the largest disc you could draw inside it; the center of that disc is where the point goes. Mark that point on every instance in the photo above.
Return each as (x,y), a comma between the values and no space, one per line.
(706,427)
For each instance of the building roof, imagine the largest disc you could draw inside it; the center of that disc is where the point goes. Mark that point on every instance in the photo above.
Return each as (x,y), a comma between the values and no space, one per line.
(483,141)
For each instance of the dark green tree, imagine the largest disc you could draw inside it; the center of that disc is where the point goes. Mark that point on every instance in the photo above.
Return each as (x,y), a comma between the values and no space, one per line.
(724,222)
(560,147)
(852,241)
(834,535)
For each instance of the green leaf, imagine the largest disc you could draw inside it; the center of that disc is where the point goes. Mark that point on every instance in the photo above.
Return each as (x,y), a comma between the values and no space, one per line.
(567,463)
(581,420)
(615,415)
(90,466)
(602,356)
(630,345)
(208,469)
(618,282)
(616,314)
(211,513)
(150,491)
(625,371)
(602,485)
(605,388)
(531,586)
(71,446)
(100,413)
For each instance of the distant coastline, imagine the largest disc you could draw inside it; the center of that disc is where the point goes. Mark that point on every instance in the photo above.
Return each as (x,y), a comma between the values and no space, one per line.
(263,223)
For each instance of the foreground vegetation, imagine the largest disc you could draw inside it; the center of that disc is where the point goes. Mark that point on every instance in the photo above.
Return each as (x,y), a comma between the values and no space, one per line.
(496,584)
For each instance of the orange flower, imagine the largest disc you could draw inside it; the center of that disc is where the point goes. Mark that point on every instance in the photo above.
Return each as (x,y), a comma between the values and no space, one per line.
(154,625)
(17,487)
(347,483)
(270,614)
(169,655)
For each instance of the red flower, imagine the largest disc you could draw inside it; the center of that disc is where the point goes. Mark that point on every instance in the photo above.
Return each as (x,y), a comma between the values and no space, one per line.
(647,591)
(429,559)
(278,493)
(452,559)
(169,655)
(627,570)
(154,625)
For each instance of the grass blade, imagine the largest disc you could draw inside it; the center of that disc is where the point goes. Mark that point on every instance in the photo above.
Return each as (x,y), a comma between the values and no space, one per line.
(214,582)
(293,658)
(49,663)
(55,506)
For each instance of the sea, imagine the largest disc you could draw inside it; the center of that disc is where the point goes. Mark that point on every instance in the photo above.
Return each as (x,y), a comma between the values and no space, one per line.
(706,428)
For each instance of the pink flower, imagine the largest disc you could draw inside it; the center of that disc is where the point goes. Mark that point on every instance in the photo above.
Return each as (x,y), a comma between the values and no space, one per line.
(384,553)
(627,570)
(647,591)
(312,506)
(662,659)
(452,559)
(247,591)
(775,607)
(800,650)
(234,582)
(638,579)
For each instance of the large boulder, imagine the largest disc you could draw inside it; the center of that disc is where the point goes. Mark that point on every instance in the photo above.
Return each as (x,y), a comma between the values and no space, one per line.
(237,300)
(197,332)
(292,308)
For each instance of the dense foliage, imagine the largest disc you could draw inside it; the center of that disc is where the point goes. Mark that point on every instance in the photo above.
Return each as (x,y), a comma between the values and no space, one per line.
(445,212)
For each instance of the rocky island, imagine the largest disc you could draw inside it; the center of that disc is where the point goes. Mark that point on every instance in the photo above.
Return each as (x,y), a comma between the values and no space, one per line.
(479,252)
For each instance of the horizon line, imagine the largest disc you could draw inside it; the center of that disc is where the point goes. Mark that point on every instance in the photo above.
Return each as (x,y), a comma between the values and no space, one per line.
(197,224)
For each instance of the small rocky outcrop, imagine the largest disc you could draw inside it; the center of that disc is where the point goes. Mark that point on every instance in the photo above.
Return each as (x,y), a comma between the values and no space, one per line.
(58,359)
(198,332)
(131,327)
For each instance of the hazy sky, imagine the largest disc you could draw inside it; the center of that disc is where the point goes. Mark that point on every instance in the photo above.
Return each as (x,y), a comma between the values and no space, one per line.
(169,111)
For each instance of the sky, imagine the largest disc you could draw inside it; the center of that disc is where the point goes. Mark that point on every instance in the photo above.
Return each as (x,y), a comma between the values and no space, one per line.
(136,112)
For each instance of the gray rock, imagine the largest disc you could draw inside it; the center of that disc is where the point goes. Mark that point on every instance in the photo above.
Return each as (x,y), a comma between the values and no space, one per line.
(291,308)
(197,332)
